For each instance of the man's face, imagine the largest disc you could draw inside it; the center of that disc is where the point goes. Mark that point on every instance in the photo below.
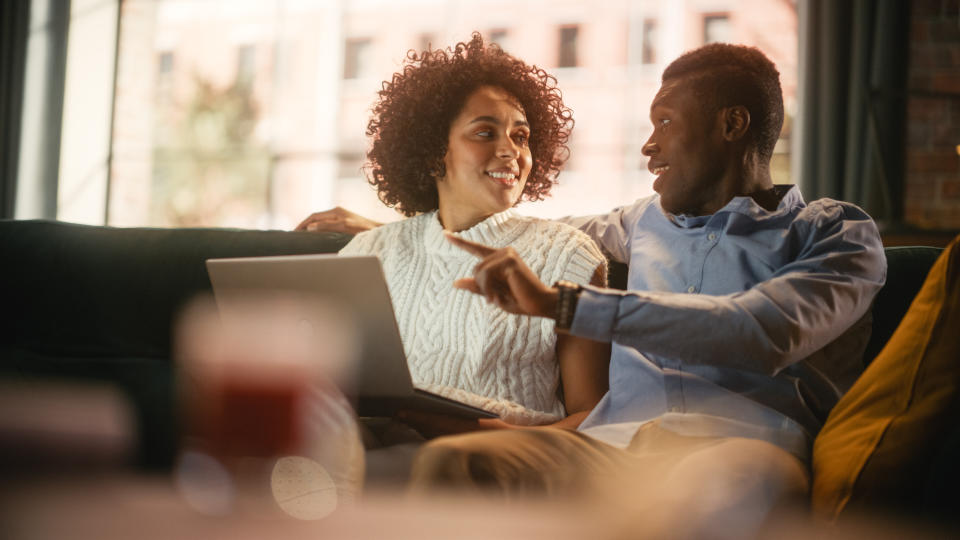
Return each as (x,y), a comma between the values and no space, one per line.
(685,151)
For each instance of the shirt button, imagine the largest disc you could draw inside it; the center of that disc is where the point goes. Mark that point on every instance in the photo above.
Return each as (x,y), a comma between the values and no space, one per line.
(711,237)
(691,289)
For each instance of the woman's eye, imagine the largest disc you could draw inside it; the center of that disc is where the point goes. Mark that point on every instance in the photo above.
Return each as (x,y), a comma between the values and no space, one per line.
(486,133)
(521,138)
(663,121)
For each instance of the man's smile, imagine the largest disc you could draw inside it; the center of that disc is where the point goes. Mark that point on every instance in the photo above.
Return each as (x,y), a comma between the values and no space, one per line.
(657,167)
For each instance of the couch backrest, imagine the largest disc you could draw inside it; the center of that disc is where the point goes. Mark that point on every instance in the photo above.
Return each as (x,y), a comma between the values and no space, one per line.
(81,290)
(85,291)
(907,268)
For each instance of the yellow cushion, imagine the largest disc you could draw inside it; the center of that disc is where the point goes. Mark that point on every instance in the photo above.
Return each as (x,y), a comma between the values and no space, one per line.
(875,445)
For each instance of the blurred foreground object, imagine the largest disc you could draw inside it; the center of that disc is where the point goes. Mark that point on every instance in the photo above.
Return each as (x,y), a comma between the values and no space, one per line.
(47,426)
(262,384)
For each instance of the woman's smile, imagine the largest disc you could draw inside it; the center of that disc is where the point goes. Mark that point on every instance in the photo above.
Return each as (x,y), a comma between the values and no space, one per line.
(506,178)
(488,159)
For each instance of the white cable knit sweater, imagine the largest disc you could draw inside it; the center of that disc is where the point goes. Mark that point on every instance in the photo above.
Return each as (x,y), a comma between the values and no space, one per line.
(459,346)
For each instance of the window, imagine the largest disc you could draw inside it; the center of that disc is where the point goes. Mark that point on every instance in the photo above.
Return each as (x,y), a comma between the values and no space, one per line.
(356,58)
(567,53)
(165,76)
(500,37)
(426,42)
(165,64)
(716,28)
(191,147)
(246,58)
(648,47)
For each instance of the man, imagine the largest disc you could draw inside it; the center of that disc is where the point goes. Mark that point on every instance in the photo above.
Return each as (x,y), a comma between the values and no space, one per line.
(725,356)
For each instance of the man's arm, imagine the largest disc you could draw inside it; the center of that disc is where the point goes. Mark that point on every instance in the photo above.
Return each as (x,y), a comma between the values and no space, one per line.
(807,303)
(609,231)
(337,220)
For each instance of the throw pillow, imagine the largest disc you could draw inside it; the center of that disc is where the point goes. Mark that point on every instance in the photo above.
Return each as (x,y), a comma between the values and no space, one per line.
(877,443)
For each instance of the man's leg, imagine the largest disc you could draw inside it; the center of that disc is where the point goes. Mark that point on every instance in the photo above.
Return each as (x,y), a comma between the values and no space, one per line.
(534,461)
(718,487)
(663,483)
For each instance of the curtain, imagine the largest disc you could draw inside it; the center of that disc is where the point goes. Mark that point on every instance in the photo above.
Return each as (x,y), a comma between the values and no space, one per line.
(854,103)
(14,22)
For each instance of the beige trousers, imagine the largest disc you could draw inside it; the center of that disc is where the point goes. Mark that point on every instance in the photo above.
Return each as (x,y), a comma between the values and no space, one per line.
(715,485)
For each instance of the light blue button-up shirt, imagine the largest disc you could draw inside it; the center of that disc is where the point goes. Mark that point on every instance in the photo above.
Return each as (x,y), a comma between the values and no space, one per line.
(724,327)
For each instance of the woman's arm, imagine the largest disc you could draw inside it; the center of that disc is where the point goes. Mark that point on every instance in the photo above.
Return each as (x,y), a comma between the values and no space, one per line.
(584,369)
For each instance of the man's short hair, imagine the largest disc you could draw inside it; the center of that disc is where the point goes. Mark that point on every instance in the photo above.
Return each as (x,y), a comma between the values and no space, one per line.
(723,75)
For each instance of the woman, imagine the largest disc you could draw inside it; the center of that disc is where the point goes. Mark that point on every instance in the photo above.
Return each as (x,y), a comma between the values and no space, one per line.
(459,137)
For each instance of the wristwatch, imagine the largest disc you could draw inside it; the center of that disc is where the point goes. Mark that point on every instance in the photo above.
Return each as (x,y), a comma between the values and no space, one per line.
(569,293)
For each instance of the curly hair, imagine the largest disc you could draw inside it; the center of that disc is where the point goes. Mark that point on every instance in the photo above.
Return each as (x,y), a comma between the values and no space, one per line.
(411,120)
(724,75)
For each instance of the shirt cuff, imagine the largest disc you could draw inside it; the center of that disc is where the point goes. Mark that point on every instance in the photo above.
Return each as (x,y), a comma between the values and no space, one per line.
(596,313)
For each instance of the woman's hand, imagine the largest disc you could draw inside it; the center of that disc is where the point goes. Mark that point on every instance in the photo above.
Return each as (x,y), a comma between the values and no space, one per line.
(503,278)
(432,425)
(337,220)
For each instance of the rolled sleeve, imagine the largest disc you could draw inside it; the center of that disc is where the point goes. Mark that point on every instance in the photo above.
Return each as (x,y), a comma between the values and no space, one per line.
(596,314)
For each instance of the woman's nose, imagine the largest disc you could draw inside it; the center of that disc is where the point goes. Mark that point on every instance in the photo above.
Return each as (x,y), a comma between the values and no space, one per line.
(508,150)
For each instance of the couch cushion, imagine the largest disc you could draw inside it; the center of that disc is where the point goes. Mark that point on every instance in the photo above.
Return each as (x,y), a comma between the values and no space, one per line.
(879,440)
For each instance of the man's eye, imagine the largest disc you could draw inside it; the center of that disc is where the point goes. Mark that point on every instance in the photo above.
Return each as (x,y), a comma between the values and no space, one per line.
(663,121)
(486,133)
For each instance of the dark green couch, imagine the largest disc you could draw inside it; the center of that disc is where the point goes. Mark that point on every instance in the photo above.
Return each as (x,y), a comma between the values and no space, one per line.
(83,302)
(97,303)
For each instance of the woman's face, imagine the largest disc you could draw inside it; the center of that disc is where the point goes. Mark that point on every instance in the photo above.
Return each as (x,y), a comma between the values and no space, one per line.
(487,161)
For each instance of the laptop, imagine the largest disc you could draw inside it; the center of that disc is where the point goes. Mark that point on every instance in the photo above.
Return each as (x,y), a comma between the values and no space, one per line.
(356,287)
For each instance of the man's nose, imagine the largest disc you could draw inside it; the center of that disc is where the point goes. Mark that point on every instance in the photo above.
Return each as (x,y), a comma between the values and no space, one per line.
(649,148)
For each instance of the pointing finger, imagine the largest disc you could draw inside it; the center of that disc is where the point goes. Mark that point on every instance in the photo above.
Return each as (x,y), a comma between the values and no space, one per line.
(467,284)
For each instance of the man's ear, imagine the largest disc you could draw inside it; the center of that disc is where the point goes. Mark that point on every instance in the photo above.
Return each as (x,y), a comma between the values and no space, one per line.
(735,122)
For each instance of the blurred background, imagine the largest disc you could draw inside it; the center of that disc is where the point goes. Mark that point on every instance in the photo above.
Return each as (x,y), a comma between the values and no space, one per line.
(248,113)
(251,113)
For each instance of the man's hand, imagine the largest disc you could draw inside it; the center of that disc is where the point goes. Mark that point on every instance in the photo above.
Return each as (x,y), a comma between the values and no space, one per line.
(432,425)
(337,220)
(503,278)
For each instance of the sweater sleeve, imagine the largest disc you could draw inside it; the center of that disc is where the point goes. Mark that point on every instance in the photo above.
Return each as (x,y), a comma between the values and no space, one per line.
(361,244)
(584,259)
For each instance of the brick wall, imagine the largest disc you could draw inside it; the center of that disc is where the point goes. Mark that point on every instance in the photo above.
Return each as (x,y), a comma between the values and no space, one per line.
(932,190)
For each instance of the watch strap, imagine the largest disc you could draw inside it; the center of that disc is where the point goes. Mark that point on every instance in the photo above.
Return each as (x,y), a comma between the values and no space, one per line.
(569,293)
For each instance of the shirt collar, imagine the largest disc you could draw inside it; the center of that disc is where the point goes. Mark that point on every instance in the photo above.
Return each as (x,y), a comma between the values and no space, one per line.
(790,197)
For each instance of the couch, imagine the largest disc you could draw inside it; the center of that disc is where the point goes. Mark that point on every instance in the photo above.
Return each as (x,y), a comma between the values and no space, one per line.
(96,303)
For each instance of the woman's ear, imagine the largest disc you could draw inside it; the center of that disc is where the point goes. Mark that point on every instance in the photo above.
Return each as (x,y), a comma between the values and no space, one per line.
(439,170)
(736,122)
